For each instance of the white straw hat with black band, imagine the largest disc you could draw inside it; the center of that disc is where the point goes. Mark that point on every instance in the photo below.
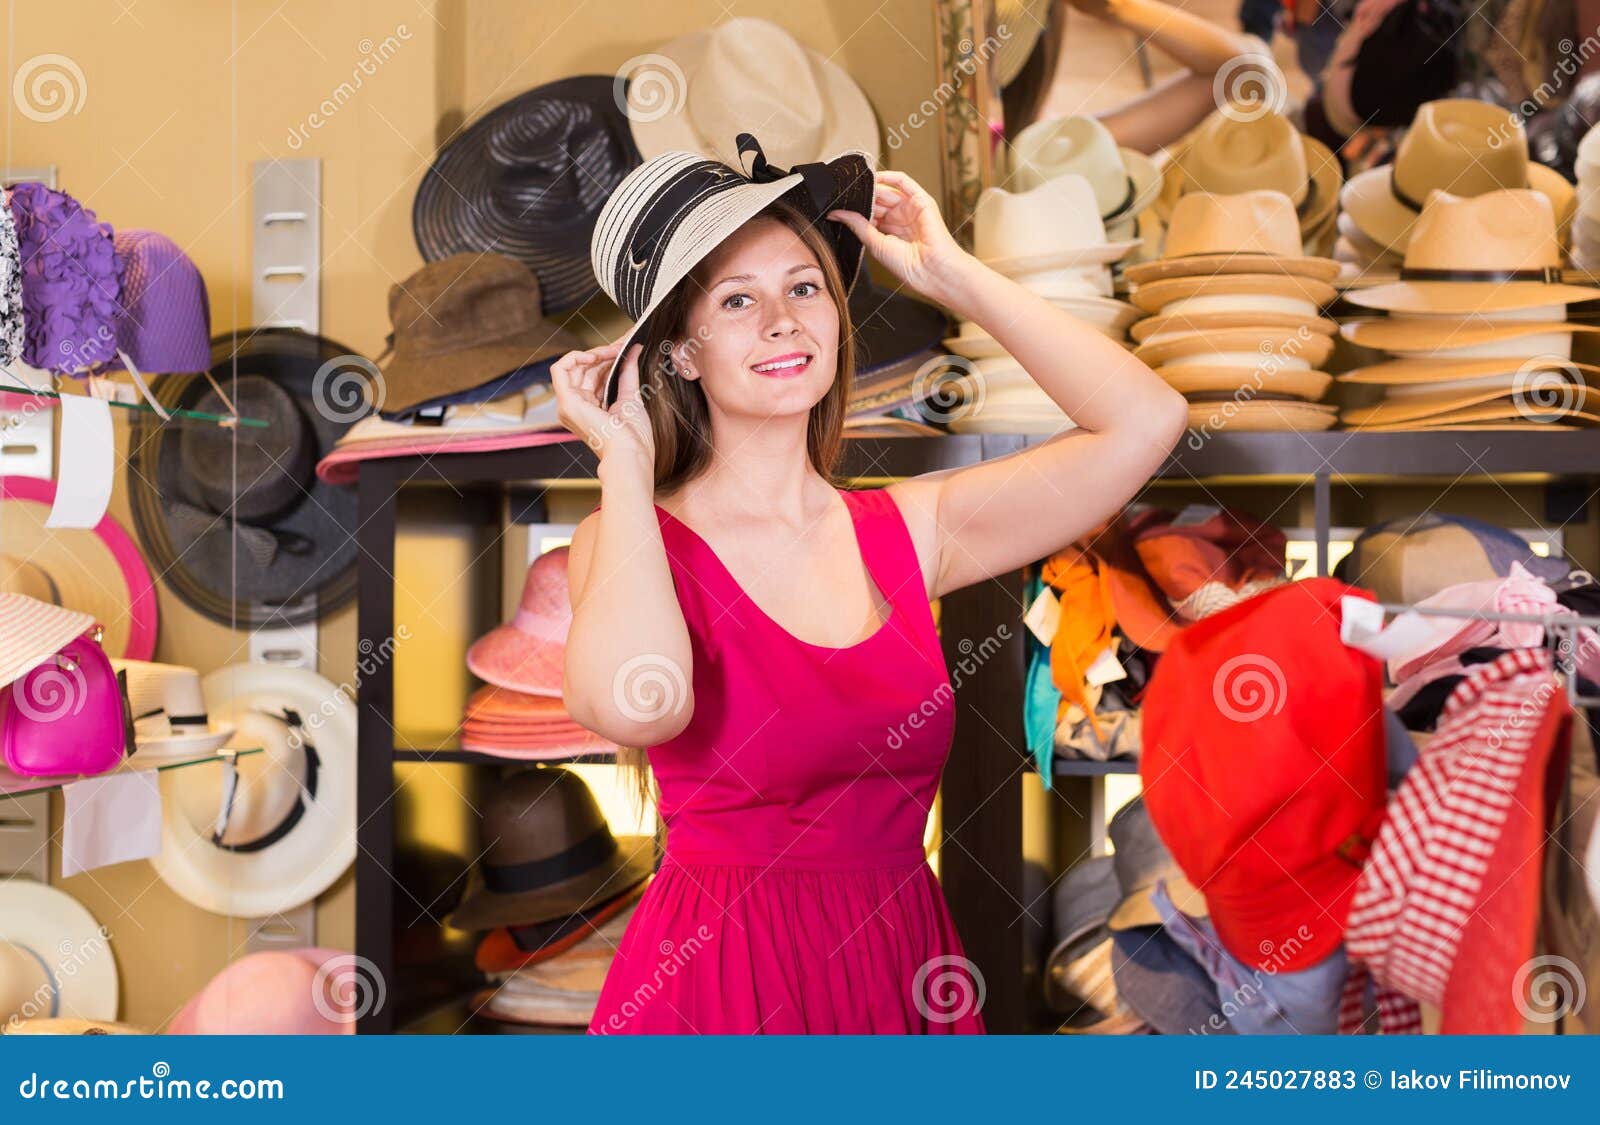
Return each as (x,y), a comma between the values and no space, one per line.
(676,208)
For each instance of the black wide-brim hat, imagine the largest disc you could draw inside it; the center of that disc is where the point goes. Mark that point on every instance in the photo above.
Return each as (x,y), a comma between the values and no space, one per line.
(528,180)
(187,485)
(675,209)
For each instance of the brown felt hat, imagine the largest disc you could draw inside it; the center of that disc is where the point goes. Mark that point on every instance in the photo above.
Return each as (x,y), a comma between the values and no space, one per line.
(547,852)
(461,322)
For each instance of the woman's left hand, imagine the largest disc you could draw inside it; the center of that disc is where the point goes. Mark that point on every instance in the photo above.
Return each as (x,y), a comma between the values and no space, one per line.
(908,235)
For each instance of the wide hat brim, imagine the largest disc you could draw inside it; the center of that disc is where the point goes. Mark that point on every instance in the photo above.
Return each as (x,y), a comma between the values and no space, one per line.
(1412,371)
(716,218)
(1152,296)
(411,380)
(1449,334)
(72,944)
(484,909)
(100,572)
(233,587)
(1324,183)
(1481,408)
(1369,200)
(316,849)
(1260,415)
(458,207)
(1468,297)
(1210,322)
(1269,343)
(1293,381)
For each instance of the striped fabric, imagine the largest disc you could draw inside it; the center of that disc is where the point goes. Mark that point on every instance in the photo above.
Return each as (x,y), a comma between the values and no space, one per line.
(32,631)
(1425,876)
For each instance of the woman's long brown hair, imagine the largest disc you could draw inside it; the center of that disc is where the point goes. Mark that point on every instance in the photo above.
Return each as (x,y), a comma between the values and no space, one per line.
(680,420)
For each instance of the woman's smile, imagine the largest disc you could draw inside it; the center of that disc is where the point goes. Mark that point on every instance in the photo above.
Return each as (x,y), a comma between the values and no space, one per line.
(784,366)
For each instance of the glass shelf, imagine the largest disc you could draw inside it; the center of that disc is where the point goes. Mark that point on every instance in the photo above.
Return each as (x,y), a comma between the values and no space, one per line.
(144,408)
(14,785)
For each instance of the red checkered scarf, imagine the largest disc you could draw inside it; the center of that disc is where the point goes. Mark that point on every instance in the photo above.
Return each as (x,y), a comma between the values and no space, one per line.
(1424,877)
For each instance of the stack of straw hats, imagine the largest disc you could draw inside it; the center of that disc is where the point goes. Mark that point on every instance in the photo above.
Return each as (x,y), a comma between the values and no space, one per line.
(1050,239)
(1455,145)
(519,712)
(1244,149)
(1235,322)
(1586,227)
(1477,333)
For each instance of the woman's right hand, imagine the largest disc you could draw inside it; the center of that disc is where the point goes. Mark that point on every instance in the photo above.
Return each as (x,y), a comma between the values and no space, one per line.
(579,380)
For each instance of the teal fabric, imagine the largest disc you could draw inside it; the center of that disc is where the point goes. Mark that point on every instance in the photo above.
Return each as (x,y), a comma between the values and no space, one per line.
(1041,699)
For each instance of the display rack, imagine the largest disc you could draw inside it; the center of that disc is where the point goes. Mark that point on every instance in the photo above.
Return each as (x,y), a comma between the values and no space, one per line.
(980,857)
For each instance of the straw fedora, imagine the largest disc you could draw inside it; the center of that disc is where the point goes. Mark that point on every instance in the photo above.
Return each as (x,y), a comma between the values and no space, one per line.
(1490,253)
(55,959)
(290,829)
(748,75)
(1425,371)
(1238,347)
(461,322)
(1254,232)
(1458,145)
(169,711)
(257,553)
(676,208)
(1108,317)
(1258,414)
(1056,224)
(528,179)
(547,852)
(1168,323)
(1542,398)
(1154,296)
(1125,181)
(1227,154)
(99,571)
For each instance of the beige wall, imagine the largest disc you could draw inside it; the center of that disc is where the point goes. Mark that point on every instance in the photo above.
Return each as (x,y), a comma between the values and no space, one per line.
(180,99)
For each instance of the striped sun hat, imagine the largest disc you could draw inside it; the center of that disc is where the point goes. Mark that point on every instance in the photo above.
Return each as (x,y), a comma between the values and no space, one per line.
(676,208)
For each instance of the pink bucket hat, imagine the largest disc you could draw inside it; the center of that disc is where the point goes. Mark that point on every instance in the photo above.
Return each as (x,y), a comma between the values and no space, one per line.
(527,653)
(309,991)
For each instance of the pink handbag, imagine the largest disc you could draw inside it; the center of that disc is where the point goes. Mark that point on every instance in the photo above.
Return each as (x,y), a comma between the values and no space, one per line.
(67,716)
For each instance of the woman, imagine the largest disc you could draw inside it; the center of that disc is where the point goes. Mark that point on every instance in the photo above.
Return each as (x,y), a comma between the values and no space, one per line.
(768,637)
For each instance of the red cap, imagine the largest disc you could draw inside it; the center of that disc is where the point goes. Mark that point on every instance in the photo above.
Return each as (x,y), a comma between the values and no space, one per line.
(1263,769)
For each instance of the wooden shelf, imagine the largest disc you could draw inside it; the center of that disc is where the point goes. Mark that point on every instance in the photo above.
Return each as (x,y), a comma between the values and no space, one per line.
(1078,767)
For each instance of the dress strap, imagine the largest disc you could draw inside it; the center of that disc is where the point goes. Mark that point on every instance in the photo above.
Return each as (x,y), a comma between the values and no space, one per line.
(890,555)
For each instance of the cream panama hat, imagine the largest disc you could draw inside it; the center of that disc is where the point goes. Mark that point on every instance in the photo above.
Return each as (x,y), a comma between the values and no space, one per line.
(1249,232)
(1125,182)
(1546,396)
(169,711)
(1289,382)
(1458,145)
(290,825)
(1157,296)
(1229,154)
(55,959)
(1258,414)
(1409,372)
(1490,253)
(676,208)
(698,92)
(1056,224)
(1237,347)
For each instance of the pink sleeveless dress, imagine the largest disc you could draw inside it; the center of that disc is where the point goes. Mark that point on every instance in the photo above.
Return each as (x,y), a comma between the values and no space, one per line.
(793,896)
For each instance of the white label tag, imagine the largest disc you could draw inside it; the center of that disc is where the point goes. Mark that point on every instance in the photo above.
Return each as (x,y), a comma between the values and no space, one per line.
(230,784)
(1359,620)
(1106,669)
(1196,513)
(1044,616)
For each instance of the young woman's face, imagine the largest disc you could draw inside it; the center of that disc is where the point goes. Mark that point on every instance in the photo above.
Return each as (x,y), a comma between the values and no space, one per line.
(763,333)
